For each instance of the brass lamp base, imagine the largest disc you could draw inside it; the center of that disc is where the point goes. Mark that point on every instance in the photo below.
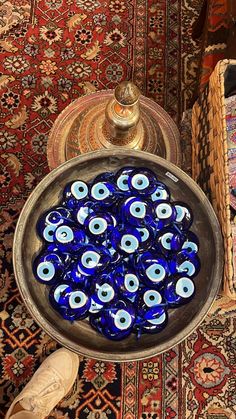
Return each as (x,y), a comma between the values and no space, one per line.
(82,127)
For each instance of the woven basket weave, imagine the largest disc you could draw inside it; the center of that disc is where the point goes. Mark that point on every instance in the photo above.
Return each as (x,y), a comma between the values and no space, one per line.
(210,161)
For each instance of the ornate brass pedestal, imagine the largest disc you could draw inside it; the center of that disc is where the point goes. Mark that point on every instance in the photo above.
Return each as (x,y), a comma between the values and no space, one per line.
(120,118)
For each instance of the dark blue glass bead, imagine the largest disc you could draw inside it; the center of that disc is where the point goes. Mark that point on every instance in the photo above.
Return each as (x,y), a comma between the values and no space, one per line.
(142,181)
(103,290)
(153,320)
(68,238)
(161,193)
(50,220)
(147,238)
(71,303)
(185,263)
(103,193)
(92,259)
(169,241)
(179,289)
(184,215)
(164,212)
(136,212)
(121,180)
(149,297)
(77,189)
(115,256)
(104,177)
(126,240)
(52,248)
(119,318)
(74,277)
(99,226)
(48,268)
(153,269)
(191,243)
(126,280)
(97,321)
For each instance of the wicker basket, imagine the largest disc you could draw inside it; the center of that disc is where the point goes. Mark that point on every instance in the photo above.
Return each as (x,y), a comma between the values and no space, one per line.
(210,160)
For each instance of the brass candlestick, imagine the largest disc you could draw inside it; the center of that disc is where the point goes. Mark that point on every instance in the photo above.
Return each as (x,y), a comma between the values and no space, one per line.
(119,118)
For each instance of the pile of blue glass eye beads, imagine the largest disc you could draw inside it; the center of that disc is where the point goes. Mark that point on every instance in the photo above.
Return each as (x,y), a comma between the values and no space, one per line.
(119,251)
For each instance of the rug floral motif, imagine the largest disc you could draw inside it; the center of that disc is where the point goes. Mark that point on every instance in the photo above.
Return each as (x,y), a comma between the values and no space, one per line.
(13,14)
(77,47)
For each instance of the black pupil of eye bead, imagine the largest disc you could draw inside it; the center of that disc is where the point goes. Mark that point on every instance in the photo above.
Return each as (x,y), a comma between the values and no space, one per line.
(189,249)
(104,293)
(158,194)
(96,226)
(141,233)
(168,240)
(139,182)
(128,242)
(45,271)
(138,209)
(81,189)
(50,233)
(163,211)
(77,299)
(131,283)
(64,234)
(125,182)
(157,271)
(101,191)
(151,298)
(88,260)
(122,320)
(185,289)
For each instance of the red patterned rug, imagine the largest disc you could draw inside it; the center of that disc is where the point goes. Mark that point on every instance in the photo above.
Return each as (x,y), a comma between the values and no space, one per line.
(59,51)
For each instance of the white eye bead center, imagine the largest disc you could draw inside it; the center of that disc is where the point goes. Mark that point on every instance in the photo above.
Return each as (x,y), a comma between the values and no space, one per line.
(138,209)
(79,189)
(166,240)
(140,182)
(131,282)
(90,259)
(129,243)
(77,299)
(187,267)
(122,183)
(158,320)
(184,287)
(46,271)
(156,272)
(122,320)
(64,234)
(152,298)
(98,225)
(163,211)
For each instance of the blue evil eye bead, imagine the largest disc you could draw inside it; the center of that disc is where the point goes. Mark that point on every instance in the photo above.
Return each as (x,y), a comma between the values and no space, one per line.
(169,241)
(72,304)
(104,290)
(179,290)
(147,238)
(164,214)
(156,320)
(103,193)
(97,321)
(126,241)
(136,211)
(161,193)
(77,190)
(121,180)
(153,269)
(49,221)
(191,243)
(142,181)
(92,259)
(99,226)
(184,215)
(119,318)
(149,297)
(126,280)
(48,269)
(185,263)
(68,238)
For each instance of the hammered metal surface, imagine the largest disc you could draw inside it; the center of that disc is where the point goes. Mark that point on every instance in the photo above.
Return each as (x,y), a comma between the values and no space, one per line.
(78,336)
